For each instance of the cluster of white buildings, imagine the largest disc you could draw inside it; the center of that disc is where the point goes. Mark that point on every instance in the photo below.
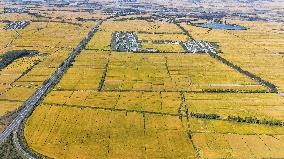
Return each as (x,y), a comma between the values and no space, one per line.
(17,25)
(125,42)
(14,10)
(195,46)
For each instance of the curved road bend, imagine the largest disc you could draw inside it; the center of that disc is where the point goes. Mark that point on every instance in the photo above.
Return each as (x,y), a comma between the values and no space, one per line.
(19,147)
(30,104)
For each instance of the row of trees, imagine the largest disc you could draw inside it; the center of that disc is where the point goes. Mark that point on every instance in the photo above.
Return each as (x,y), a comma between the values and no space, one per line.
(10,56)
(8,149)
(233,91)
(204,116)
(239,119)
(255,121)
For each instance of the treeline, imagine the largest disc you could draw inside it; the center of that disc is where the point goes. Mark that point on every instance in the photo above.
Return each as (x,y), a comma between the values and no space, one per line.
(183,29)
(204,116)
(8,149)
(255,121)
(58,21)
(233,91)
(164,42)
(271,86)
(250,120)
(86,19)
(10,56)
(148,19)
(146,32)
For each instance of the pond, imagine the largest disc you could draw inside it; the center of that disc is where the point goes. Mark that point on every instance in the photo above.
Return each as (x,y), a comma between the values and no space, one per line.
(214,25)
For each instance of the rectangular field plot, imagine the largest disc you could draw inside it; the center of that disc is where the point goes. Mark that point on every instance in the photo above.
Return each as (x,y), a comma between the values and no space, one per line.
(85,73)
(162,42)
(222,139)
(36,74)
(7,106)
(137,72)
(162,37)
(141,26)
(148,102)
(201,72)
(162,47)
(157,72)
(261,106)
(100,41)
(6,37)
(64,132)
(17,94)
(14,70)
(53,34)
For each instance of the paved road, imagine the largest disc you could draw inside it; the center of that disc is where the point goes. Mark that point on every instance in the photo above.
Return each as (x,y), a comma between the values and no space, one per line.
(19,147)
(30,104)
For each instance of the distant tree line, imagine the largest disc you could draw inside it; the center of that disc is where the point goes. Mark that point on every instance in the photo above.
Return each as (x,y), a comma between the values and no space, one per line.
(10,56)
(205,116)
(255,121)
(234,91)
(8,149)
(239,119)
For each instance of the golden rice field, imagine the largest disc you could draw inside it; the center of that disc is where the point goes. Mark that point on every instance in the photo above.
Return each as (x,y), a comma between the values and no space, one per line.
(53,40)
(67,132)
(261,106)
(149,31)
(100,43)
(165,48)
(260,43)
(164,102)
(8,106)
(221,139)
(171,72)
(141,26)
(140,105)
(148,42)
(86,71)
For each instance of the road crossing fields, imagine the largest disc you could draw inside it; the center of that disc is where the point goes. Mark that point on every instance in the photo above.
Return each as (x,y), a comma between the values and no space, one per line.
(173,105)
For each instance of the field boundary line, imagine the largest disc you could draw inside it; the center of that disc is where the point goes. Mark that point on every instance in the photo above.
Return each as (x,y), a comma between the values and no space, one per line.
(103,79)
(189,131)
(111,109)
